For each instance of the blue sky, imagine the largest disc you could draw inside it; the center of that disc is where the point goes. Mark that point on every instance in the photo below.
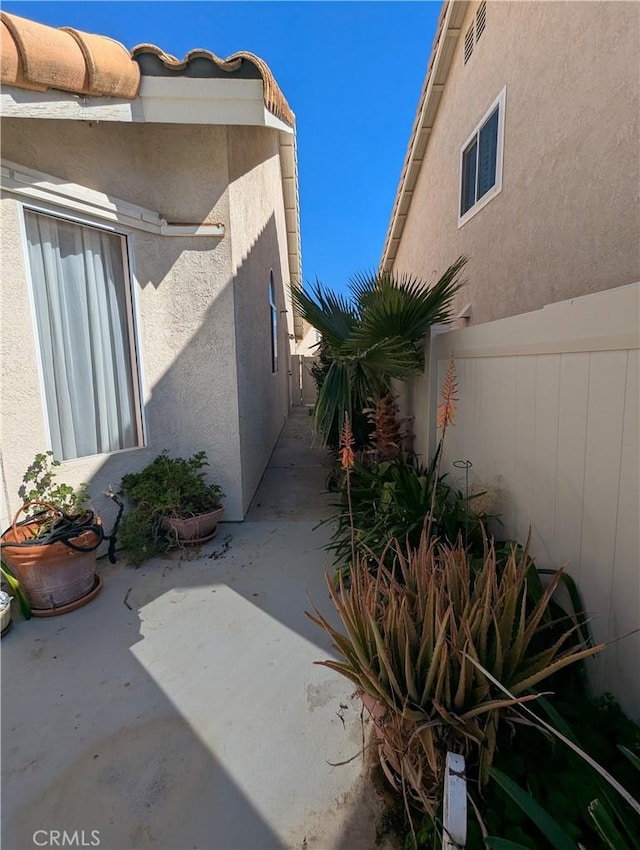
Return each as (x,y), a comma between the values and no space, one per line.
(351,71)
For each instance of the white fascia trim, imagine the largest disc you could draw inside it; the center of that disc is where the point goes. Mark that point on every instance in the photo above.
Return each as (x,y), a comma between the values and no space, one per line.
(423,124)
(26,183)
(497,186)
(289,176)
(162,100)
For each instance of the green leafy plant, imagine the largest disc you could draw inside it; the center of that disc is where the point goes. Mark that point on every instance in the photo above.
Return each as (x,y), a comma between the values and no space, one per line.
(412,635)
(614,818)
(40,484)
(167,487)
(391,502)
(16,588)
(556,778)
(615,829)
(371,336)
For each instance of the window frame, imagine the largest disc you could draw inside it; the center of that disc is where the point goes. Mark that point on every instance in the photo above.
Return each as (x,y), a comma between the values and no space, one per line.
(133,320)
(499,102)
(273,323)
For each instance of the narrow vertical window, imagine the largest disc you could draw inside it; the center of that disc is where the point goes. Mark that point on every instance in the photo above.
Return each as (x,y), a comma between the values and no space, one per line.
(488,146)
(84,326)
(469,162)
(273,310)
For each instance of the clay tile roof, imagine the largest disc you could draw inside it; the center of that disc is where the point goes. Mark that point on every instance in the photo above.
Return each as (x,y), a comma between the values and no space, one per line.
(274,100)
(38,57)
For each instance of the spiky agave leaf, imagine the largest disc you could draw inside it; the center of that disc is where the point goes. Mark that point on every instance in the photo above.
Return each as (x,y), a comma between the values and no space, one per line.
(433,647)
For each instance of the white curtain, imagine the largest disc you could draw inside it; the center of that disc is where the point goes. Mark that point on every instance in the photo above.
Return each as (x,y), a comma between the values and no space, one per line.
(83,332)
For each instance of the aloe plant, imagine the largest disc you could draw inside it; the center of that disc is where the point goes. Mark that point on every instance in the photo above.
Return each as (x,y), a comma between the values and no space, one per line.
(427,637)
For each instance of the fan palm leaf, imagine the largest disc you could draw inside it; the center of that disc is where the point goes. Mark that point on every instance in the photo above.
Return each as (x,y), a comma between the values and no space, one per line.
(372,336)
(329,312)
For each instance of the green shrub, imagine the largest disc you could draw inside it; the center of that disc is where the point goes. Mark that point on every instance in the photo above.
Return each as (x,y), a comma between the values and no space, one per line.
(167,487)
(390,502)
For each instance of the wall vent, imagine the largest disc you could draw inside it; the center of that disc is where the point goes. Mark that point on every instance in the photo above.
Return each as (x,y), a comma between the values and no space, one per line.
(468,44)
(481,19)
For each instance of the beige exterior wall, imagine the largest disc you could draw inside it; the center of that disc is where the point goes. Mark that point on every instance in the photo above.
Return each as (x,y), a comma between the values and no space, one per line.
(258,246)
(567,220)
(184,288)
(548,414)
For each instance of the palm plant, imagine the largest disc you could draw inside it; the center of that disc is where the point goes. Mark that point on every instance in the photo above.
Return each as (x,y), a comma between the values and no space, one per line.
(372,335)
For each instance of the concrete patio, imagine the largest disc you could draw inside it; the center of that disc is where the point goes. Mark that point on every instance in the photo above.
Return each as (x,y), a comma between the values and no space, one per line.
(181,709)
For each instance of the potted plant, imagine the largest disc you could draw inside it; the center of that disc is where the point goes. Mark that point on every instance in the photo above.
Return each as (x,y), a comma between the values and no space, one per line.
(51,552)
(171,504)
(5,612)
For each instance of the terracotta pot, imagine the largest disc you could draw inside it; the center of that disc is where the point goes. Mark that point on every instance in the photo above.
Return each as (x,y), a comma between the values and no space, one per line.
(51,574)
(195,529)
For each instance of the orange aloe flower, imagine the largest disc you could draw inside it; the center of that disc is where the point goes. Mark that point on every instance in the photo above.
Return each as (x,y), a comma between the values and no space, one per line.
(347,457)
(448,396)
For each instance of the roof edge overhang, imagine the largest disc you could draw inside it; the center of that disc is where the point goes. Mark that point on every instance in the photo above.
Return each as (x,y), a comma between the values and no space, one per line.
(161,100)
(182,100)
(289,172)
(445,42)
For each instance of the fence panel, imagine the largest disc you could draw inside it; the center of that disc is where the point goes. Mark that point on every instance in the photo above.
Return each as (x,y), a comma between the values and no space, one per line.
(548,415)
(303,385)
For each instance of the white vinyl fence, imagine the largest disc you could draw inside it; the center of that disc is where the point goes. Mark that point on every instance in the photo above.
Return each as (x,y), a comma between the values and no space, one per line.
(303,385)
(548,416)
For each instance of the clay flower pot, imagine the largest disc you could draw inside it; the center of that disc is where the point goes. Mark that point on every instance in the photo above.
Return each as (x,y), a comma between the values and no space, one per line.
(196,529)
(53,575)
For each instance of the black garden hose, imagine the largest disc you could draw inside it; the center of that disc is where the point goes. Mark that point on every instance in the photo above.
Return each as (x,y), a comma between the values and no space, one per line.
(69,526)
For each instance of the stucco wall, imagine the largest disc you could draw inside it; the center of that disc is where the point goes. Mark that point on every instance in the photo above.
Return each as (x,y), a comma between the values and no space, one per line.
(183,287)
(258,246)
(567,220)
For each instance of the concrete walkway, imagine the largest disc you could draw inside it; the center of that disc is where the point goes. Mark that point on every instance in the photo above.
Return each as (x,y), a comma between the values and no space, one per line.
(182,709)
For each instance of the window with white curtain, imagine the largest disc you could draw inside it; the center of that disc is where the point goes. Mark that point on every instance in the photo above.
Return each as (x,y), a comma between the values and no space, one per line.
(84,323)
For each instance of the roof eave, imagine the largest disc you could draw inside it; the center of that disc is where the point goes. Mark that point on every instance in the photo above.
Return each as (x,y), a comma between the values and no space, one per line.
(162,100)
(448,33)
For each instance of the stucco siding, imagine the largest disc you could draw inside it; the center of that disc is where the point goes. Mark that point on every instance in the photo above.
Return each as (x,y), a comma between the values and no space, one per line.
(183,292)
(566,222)
(258,246)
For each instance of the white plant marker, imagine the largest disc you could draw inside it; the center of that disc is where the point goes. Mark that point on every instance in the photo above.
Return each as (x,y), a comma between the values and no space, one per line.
(455,803)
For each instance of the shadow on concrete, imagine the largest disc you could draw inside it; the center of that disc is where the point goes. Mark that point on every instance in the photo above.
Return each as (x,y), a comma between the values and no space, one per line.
(181,708)
(91,743)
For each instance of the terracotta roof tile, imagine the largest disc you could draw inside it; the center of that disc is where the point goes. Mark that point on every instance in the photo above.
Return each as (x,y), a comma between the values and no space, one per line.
(111,69)
(274,99)
(39,57)
(35,56)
